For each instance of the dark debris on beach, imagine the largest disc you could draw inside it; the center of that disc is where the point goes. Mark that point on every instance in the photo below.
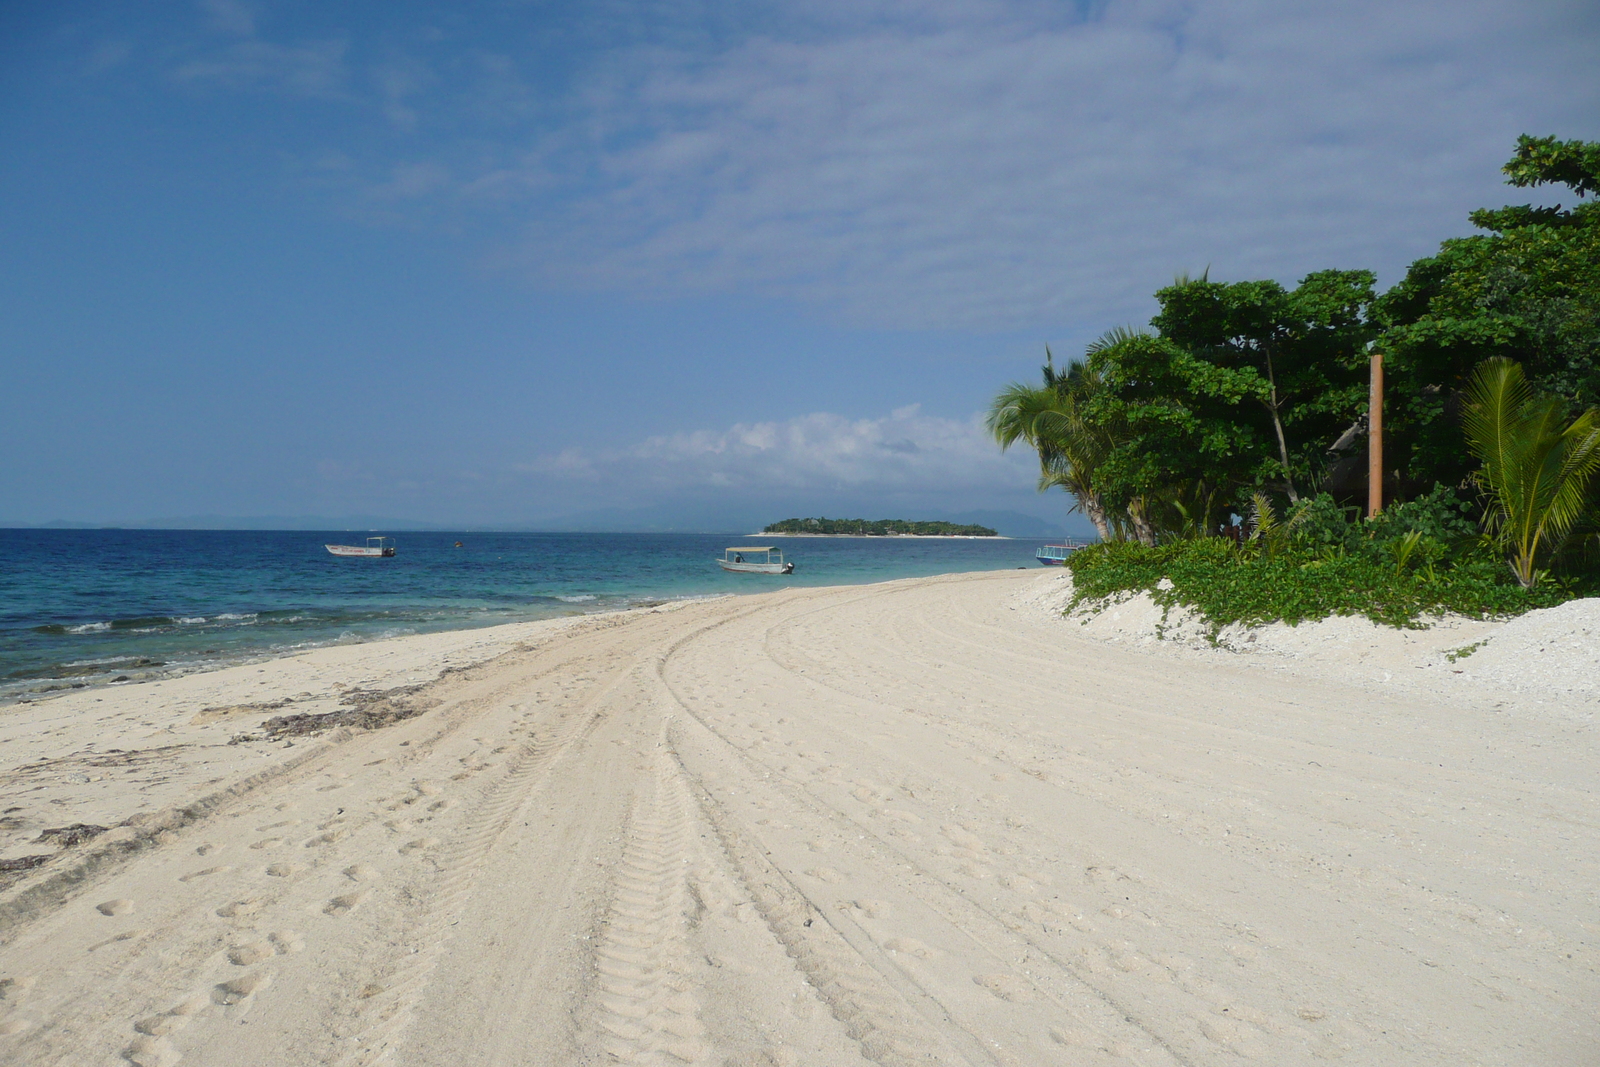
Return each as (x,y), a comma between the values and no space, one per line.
(366,709)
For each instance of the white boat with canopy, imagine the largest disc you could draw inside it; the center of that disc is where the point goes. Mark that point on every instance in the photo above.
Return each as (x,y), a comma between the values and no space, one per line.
(1056,555)
(771,562)
(375,548)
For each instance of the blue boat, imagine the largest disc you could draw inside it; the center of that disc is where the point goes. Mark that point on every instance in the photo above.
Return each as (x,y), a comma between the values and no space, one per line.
(1056,555)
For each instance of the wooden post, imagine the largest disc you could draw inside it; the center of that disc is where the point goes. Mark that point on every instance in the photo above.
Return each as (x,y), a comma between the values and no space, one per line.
(1375,438)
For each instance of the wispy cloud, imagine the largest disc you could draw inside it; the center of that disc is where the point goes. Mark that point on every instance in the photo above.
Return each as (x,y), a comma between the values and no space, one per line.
(311,69)
(245,59)
(905,451)
(985,165)
(230,16)
(996,171)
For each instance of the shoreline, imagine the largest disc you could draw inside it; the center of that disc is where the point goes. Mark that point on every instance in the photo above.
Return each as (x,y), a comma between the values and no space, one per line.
(133,673)
(162,607)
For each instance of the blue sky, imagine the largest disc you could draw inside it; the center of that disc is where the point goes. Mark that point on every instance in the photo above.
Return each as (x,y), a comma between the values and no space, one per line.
(674,263)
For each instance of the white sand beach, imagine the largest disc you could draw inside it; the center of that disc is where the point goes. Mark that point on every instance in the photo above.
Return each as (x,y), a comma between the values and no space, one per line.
(924,822)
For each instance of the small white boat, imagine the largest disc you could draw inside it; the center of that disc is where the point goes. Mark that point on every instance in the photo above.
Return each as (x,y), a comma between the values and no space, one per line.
(1056,555)
(733,559)
(375,548)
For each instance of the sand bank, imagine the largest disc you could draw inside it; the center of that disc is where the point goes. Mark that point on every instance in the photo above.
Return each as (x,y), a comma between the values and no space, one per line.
(921,822)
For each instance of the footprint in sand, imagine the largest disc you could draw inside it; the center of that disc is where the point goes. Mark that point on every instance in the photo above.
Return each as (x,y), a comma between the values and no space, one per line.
(151,1052)
(14,988)
(238,909)
(193,1006)
(873,909)
(361,872)
(246,955)
(826,874)
(286,942)
(232,992)
(120,906)
(267,842)
(285,870)
(192,875)
(161,1025)
(125,936)
(13,1026)
(345,903)
(419,844)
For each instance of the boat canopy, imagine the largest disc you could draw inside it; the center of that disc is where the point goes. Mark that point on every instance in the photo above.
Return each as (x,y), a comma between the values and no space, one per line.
(761,548)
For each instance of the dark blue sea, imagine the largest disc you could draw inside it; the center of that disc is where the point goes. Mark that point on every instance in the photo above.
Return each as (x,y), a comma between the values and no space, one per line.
(87,607)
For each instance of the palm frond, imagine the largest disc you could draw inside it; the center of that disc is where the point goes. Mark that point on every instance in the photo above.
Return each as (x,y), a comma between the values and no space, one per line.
(1537,468)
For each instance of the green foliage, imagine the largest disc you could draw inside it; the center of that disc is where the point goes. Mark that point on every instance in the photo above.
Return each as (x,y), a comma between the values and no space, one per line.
(1440,514)
(1536,468)
(1227,586)
(1545,160)
(1051,418)
(1233,405)
(1244,387)
(1306,346)
(1528,289)
(1184,422)
(877,528)
(1455,655)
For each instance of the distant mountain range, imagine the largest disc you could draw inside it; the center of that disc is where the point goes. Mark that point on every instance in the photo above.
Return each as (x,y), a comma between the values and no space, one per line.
(659,519)
(825,527)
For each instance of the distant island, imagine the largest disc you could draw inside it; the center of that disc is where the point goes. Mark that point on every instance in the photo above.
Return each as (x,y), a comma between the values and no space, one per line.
(875,528)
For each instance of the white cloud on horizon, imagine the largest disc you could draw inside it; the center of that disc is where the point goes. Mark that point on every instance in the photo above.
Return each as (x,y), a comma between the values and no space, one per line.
(905,452)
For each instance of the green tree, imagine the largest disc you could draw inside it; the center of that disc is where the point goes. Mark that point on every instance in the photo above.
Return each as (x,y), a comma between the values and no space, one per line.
(1188,433)
(1536,467)
(1527,288)
(1051,419)
(1307,344)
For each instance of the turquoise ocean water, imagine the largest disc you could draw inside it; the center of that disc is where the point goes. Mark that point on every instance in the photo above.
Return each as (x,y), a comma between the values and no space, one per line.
(88,607)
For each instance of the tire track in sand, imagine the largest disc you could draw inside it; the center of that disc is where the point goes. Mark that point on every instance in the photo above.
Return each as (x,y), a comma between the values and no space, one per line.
(391,1002)
(645,1010)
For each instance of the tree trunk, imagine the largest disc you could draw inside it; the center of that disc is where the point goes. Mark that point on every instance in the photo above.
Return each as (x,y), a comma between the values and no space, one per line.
(1277,425)
(1096,511)
(1141,525)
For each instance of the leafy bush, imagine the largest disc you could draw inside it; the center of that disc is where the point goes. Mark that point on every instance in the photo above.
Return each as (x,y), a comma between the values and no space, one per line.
(1227,585)
(1439,514)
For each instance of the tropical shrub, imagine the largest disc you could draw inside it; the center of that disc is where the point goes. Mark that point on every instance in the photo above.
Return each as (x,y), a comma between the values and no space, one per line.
(1225,585)
(1537,468)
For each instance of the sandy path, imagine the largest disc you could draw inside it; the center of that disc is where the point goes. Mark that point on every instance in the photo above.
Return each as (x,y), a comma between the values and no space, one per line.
(892,824)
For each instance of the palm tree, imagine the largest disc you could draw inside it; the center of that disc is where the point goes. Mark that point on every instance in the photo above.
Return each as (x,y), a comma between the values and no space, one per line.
(1536,472)
(1050,418)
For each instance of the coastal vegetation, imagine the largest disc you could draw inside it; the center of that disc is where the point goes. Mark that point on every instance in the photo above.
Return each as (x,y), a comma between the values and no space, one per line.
(1221,453)
(877,528)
